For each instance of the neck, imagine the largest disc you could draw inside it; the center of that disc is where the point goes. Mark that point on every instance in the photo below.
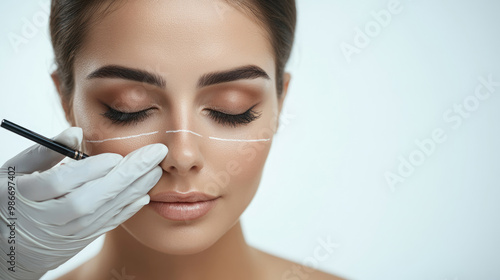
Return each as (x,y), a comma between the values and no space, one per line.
(228,258)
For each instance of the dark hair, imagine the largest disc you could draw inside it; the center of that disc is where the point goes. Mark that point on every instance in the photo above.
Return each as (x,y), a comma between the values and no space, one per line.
(71,19)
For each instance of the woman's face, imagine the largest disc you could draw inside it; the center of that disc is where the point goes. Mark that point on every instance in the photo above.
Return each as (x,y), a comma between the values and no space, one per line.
(179,42)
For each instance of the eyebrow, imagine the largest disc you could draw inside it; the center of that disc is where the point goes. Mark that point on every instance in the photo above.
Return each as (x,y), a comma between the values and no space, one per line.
(212,78)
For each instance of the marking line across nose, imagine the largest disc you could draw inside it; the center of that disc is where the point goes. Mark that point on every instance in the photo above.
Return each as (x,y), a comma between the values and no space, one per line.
(173,131)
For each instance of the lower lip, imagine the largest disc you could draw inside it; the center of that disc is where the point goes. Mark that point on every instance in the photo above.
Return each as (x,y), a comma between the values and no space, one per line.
(183,211)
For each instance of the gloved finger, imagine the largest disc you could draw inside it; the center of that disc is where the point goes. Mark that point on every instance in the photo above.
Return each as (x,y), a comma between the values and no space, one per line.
(92,195)
(83,226)
(62,179)
(84,237)
(126,213)
(40,158)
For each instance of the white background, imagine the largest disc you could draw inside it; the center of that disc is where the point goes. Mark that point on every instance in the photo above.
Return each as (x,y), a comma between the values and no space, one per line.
(345,124)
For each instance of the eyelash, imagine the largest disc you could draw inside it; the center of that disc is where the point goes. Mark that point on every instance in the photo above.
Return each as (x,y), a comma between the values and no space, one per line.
(234,120)
(118,117)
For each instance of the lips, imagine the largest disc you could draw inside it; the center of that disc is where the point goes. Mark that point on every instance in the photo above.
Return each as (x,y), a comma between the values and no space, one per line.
(182,197)
(182,206)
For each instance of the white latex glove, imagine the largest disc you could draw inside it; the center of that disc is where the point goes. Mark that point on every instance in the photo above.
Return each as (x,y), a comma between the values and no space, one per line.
(61,209)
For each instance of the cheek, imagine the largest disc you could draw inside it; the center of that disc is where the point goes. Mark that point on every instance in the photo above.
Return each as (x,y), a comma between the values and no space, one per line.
(239,165)
(100,136)
(251,159)
(237,169)
(119,147)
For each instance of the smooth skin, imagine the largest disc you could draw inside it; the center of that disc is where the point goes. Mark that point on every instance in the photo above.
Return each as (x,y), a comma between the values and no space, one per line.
(181,41)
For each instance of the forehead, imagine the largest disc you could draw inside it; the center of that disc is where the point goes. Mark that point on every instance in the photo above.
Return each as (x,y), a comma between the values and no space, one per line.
(180,39)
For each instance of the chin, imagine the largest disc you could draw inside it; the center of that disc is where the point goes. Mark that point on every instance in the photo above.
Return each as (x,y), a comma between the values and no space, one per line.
(179,237)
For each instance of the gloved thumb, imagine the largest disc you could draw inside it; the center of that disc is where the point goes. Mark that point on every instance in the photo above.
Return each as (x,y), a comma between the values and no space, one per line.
(40,158)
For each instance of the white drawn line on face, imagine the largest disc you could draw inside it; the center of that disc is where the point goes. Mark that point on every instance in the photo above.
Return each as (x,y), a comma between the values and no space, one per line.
(121,138)
(243,140)
(179,130)
(169,131)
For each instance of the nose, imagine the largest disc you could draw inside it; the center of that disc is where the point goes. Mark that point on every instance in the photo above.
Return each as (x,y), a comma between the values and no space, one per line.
(184,155)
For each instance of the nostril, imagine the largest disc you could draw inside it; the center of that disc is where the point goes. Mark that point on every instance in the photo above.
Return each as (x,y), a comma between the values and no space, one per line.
(171,169)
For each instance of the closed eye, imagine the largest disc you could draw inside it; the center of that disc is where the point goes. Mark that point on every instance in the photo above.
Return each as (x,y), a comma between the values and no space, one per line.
(118,117)
(234,120)
(124,118)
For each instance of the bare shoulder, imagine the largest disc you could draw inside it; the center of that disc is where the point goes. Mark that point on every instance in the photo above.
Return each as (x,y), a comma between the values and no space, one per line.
(280,268)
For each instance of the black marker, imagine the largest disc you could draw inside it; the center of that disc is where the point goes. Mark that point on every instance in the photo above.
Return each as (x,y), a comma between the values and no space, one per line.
(44,141)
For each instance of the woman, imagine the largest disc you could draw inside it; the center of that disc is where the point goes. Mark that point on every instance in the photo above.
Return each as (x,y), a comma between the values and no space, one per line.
(205,78)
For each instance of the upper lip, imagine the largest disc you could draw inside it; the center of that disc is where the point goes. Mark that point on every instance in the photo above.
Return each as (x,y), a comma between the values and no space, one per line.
(181,197)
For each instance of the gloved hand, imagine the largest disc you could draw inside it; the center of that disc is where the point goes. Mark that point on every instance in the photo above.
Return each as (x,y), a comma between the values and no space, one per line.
(50,213)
